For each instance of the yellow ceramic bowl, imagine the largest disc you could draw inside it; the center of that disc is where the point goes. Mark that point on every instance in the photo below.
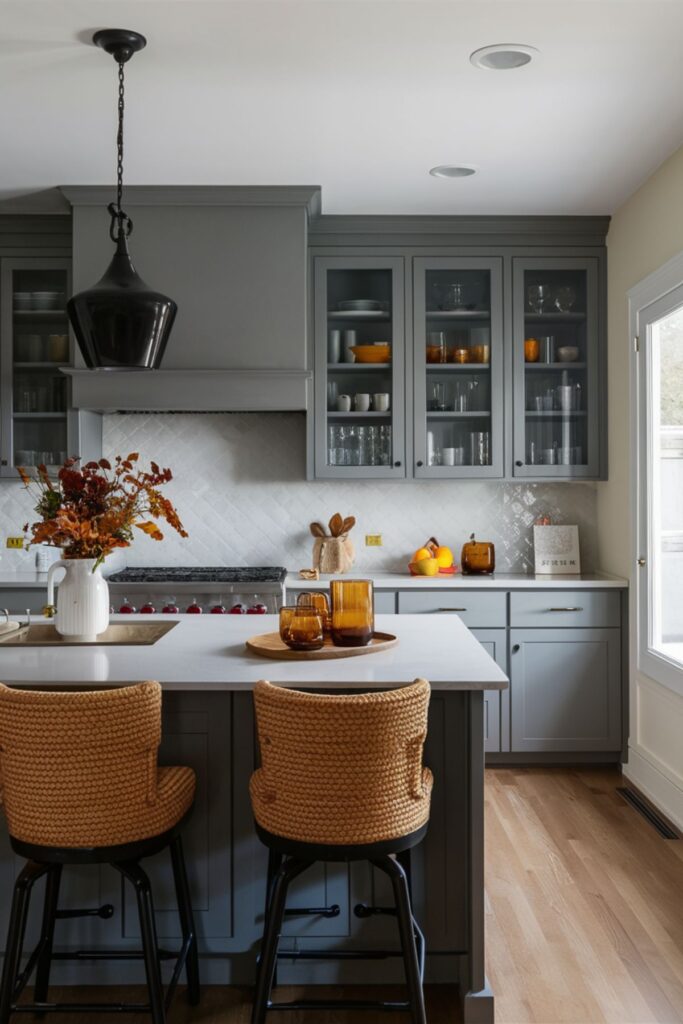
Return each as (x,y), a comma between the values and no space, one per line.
(371,353)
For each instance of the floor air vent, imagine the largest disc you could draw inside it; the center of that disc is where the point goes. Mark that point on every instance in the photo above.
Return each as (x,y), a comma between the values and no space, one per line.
(644,808)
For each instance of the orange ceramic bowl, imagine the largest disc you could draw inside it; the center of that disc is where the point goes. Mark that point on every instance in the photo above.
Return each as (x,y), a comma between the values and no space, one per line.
(371,353)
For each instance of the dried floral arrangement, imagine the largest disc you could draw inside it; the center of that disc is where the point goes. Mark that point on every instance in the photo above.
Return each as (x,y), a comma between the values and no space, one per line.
(91,510)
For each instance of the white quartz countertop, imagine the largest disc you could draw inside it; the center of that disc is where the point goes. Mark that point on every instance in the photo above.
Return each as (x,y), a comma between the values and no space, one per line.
(499,581)
(207,652)
(403,581)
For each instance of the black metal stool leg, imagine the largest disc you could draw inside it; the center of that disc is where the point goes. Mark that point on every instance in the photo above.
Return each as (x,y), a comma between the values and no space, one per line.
(274,862)
(143,892)
(287,871)
(405,924)
(54,877)
(30,873)
(182,889)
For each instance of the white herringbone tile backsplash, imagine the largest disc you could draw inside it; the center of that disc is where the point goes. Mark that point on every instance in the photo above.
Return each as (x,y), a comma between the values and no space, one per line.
(241,491)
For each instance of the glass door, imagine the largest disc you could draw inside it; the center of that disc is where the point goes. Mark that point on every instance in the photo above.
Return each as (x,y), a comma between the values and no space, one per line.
(458,367)
(34,346)
(556,339)
(359,367)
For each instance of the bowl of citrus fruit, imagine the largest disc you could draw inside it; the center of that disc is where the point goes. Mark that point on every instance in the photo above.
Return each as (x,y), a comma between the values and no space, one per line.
(432,559)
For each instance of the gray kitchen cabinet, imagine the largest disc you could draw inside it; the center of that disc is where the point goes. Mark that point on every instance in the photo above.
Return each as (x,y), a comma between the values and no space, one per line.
(457,360)
(369,438)
(482,609)
(496,702)
(37,423)
(558,368)
(473,280)
(565,690)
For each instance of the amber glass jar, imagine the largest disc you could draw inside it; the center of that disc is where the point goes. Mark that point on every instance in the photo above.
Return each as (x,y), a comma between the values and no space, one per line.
(478,558)
(317,601)
(353,612)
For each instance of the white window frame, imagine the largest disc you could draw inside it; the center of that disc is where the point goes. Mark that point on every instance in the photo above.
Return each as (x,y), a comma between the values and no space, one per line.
(649,301)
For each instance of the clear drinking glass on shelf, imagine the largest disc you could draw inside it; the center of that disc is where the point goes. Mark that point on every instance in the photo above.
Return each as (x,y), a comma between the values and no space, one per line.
(480,448)
(565,298)
(353,612)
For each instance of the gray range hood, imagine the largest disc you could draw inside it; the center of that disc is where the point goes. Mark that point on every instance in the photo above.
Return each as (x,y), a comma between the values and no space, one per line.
(235,261)
(190,390)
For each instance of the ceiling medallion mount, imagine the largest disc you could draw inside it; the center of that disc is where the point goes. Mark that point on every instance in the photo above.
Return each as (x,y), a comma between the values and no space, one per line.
(121,323)
(120,43)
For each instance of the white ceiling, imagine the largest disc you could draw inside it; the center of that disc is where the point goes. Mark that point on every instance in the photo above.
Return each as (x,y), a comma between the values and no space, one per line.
(359,97)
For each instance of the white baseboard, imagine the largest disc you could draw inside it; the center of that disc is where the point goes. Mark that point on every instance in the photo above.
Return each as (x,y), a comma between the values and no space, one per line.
(663,793)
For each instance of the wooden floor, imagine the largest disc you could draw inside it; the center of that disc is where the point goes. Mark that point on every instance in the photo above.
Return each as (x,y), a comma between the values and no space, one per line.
(584,914)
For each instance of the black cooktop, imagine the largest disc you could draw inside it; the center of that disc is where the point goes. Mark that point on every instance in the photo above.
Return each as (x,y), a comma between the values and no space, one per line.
(200,574)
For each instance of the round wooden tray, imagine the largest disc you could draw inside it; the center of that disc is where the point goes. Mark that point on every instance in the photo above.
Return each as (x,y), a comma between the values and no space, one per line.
(269,645)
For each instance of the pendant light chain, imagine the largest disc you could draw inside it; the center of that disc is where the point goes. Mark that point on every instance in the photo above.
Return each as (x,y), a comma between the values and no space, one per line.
(121,224)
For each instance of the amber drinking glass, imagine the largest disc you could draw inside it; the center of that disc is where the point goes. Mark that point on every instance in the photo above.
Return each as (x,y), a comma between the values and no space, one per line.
(317,601)
(287,613)
(305,630)
(353,612)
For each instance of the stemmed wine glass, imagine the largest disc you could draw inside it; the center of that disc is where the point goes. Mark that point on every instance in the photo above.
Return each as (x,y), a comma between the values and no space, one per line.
(538,295)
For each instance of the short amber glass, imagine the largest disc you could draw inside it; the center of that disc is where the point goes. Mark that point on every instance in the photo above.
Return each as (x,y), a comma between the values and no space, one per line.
(460,355)
(305,631)
(480,353)
(318,602)
(532,350)
(353,612)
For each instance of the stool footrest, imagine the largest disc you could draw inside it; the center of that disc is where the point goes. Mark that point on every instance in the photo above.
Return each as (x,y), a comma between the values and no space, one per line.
(115,954)
(364,910)
(333,911)
(82,1008)
(105,912)
(342,1004)
(341,954)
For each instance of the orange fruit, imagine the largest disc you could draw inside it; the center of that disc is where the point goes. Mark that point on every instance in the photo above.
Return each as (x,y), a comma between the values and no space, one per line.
(421,554)
(444,557)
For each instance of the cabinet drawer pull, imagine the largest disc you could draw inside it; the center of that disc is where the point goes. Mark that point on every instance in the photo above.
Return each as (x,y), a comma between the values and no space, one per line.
(451,609)
(565,609)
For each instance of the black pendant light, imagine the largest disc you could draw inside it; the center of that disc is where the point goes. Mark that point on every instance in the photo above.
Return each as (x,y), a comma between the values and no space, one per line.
(121,323)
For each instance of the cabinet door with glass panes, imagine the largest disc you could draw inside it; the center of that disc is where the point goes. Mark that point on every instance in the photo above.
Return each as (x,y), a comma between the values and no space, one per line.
(359,367)
(458,367)
(34,347)
(557,367)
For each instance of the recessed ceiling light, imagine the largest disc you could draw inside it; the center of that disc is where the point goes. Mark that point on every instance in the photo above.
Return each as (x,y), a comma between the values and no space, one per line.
(503,56)
(452,171)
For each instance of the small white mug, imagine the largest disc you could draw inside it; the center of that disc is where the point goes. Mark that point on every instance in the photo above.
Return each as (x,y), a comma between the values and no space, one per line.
(380,402)
(361,403)
(343,403)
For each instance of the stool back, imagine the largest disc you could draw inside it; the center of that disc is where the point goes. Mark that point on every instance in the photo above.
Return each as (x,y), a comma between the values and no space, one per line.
(341,769)
(75,766)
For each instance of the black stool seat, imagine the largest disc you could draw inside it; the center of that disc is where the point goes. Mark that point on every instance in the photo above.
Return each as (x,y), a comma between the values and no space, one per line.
(329,852)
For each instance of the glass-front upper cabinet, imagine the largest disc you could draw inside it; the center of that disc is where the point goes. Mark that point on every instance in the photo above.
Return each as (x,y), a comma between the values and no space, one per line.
(458,367)
(359,367)
(34,346)
(557,368)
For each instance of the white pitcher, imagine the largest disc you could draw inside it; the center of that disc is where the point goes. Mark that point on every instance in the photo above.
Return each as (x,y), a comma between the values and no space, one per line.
(82,601)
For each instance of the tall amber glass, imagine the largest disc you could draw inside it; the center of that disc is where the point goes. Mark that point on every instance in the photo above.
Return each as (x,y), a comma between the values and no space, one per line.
(317,601)
(353,612)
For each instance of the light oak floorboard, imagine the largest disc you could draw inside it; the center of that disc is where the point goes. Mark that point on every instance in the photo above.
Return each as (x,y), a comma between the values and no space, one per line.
(584,915)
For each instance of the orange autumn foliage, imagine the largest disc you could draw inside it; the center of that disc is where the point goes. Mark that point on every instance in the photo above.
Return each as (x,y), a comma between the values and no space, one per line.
(95,508)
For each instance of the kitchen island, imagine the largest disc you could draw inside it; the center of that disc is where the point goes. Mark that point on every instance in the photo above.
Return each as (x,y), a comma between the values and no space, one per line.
(207,676)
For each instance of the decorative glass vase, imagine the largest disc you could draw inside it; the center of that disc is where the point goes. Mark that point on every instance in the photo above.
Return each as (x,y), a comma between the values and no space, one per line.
(82,607)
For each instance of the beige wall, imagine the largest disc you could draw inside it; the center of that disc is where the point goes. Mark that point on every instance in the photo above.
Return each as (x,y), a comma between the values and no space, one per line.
(645,232)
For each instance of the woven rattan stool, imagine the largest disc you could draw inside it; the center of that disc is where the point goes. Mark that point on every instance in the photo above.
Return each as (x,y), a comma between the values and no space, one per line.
(80,785)
(341,780)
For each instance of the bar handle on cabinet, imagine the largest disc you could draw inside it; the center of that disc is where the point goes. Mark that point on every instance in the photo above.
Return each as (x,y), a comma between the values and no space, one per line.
(451,609)
(569,609)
